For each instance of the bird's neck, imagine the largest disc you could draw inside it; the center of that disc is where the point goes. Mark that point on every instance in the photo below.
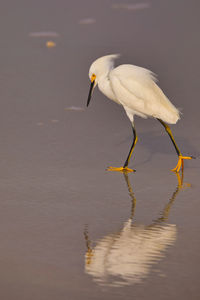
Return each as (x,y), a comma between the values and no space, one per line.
(105,87)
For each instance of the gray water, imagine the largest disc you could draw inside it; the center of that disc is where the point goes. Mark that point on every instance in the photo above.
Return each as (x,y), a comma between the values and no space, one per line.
(68,228)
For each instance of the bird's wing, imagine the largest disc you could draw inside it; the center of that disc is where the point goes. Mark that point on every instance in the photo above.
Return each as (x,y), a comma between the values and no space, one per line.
(136,89)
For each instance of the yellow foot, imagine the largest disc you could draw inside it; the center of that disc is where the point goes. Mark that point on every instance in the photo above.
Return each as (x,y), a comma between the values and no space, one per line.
(120,169)
(181,163)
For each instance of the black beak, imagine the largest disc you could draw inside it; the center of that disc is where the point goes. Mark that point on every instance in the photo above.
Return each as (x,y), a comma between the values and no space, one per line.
(90,92)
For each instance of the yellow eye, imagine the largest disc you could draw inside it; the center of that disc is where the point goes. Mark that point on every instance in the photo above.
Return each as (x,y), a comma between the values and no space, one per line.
(93,77)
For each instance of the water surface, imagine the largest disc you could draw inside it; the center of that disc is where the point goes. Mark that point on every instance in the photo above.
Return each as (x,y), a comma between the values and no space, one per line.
(68,228)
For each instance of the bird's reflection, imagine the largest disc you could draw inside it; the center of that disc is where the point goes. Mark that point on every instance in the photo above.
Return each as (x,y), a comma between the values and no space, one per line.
(128,256)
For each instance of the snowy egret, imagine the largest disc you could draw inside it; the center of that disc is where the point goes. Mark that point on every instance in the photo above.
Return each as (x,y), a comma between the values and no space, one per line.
(136,90)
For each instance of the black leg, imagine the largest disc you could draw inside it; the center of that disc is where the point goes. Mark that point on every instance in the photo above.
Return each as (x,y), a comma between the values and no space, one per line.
(132,147)
(180,163)
(168,130)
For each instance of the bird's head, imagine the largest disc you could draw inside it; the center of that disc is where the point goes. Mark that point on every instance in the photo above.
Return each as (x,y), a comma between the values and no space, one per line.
(100,67)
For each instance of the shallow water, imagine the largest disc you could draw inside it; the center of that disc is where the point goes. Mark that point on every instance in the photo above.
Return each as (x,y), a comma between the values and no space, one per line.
(68,228)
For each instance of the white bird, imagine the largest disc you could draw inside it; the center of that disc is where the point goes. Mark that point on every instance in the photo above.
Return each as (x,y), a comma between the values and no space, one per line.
(136,90)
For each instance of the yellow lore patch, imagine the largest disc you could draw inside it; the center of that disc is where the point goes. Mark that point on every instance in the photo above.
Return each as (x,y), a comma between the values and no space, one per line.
(93,77)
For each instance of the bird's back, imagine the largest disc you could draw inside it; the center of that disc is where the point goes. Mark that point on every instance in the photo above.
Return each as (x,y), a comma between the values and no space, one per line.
(136,90)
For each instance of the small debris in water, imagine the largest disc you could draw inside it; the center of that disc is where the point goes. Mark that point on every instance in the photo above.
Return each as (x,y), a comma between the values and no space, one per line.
(50,44)
(134,6)
(44,34)
(74,108)
(54,121)
(87,21)
(40,124)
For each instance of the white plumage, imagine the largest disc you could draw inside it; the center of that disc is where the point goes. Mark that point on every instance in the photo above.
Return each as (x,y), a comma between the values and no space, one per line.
(136,90)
